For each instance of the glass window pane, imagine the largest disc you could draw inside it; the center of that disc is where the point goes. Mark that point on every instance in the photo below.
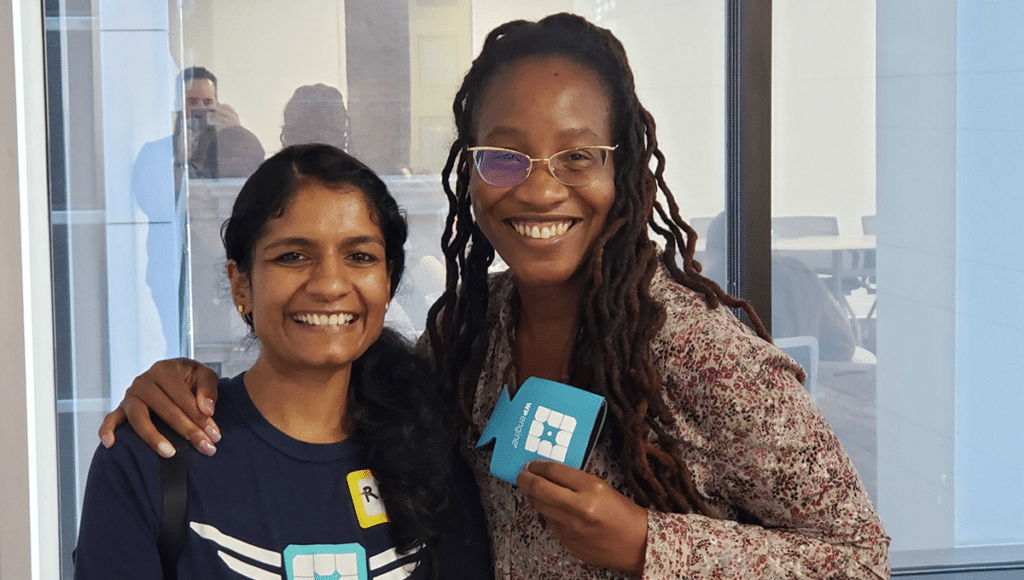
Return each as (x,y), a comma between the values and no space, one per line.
(893,201)
(146,160)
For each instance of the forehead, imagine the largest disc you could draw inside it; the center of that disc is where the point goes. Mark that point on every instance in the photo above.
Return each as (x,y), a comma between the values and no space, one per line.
(200,88)
(544,94)
(320,210)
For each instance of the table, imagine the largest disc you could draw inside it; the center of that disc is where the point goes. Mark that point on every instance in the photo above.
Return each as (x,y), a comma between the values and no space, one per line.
(826,256)
(805,248)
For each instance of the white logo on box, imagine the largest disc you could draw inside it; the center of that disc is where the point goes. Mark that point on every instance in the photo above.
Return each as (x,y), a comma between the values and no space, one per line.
(550,434)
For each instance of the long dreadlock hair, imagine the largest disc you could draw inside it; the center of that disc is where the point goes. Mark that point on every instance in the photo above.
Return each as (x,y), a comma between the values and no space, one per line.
(611,354)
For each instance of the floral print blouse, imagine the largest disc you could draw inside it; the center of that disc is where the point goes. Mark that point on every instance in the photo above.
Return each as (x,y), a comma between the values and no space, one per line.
(753,441)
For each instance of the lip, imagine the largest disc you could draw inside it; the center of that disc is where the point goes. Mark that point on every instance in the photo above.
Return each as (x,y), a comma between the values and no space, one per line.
(542,229)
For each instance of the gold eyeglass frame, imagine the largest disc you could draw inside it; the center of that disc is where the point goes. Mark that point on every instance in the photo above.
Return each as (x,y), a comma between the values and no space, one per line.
(533,160)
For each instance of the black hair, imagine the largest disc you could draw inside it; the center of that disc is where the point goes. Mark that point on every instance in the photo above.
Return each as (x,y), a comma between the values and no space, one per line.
(199,72)
(267,191)
(394,402)
(617,317)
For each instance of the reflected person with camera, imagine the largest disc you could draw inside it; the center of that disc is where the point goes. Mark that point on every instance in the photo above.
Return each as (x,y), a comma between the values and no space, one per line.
(207,142)
(215,142)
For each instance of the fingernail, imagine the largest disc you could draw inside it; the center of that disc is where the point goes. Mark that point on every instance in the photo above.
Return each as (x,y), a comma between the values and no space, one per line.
(208,405)
(212,432)
(107,441)
(207,448)
(165,449)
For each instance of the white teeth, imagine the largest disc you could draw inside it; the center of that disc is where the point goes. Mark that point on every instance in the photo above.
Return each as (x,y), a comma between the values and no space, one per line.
(542,233)
(324,319)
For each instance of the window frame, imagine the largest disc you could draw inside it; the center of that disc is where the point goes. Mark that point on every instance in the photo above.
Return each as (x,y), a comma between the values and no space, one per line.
(29,520)
(28,514)
(748,201)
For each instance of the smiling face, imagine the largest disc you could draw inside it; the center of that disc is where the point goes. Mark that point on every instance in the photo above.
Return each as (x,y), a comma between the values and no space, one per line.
(319,283)
(540,106)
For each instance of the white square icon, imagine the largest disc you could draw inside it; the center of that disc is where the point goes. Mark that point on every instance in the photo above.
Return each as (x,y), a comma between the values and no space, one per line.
(550,434)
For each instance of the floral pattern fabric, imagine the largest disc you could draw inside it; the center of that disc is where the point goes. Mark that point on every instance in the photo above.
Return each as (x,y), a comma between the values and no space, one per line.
(755,445)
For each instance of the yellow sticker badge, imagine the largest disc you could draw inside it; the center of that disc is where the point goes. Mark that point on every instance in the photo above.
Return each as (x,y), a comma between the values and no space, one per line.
(366,498)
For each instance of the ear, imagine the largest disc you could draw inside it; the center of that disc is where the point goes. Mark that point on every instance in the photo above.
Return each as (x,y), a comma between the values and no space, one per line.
(241,290)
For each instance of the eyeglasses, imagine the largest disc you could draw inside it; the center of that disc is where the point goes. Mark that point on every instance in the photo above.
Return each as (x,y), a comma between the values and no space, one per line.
(573,167)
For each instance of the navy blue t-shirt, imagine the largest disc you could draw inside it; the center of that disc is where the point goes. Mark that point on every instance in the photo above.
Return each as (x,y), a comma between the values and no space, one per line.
(265,506)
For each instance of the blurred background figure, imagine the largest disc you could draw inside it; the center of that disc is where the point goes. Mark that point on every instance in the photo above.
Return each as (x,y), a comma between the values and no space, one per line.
(801,303)
(316,114)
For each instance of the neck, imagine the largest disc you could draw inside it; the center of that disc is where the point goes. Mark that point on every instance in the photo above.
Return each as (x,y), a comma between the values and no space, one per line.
(545,329)
(310,405)
(549,306)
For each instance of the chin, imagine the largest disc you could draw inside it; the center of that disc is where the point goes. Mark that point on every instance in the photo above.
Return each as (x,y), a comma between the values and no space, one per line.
(548,277)
(329,357)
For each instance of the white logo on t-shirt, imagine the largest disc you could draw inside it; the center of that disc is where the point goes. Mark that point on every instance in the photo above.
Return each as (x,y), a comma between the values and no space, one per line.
(306,562)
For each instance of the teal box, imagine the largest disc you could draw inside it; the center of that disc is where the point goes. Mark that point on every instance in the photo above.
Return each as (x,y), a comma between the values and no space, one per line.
(545,420)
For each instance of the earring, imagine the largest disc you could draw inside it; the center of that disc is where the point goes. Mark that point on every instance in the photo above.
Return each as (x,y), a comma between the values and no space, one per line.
(386,306)
(241,309)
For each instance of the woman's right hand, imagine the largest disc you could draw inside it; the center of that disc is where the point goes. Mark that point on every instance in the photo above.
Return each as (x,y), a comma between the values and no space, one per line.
(167,389)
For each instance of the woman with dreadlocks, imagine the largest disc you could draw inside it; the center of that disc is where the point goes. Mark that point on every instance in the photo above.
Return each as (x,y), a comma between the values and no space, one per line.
(716,463)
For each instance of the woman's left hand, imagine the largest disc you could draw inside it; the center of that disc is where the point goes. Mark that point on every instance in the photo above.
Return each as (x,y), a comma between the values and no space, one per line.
(594,522)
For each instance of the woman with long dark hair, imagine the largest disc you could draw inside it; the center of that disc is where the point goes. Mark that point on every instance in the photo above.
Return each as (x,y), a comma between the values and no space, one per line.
(716,463)
(332,460)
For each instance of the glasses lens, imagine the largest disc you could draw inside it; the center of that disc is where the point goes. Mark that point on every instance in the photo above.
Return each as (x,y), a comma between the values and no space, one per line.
(579,166)
(502,168)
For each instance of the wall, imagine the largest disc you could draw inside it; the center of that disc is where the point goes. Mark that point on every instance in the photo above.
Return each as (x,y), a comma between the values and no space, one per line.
(989,273)
(440,53)
(662,40)
(823,110)
(262,51)
(916,181)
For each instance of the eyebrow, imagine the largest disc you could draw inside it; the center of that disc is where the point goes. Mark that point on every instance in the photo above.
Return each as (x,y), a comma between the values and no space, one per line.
(301,241)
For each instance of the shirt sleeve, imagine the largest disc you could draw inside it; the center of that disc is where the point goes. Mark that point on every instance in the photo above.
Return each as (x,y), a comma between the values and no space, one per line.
(770,457)
(120,514)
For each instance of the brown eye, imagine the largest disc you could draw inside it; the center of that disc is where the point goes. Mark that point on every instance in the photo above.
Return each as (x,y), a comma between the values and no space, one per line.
(364,258)
(579,159)
(289,258)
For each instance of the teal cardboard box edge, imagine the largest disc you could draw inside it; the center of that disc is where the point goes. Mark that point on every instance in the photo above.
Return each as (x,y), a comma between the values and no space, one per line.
(545,420)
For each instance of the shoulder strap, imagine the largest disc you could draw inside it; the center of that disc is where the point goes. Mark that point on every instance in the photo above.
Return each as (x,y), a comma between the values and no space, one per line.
(174,522)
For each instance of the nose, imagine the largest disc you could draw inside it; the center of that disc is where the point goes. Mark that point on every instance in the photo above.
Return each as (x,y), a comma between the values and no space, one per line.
(541,189)
(329,279)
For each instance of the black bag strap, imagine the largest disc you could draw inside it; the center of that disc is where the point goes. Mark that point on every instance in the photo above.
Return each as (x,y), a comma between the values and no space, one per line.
(174,523)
